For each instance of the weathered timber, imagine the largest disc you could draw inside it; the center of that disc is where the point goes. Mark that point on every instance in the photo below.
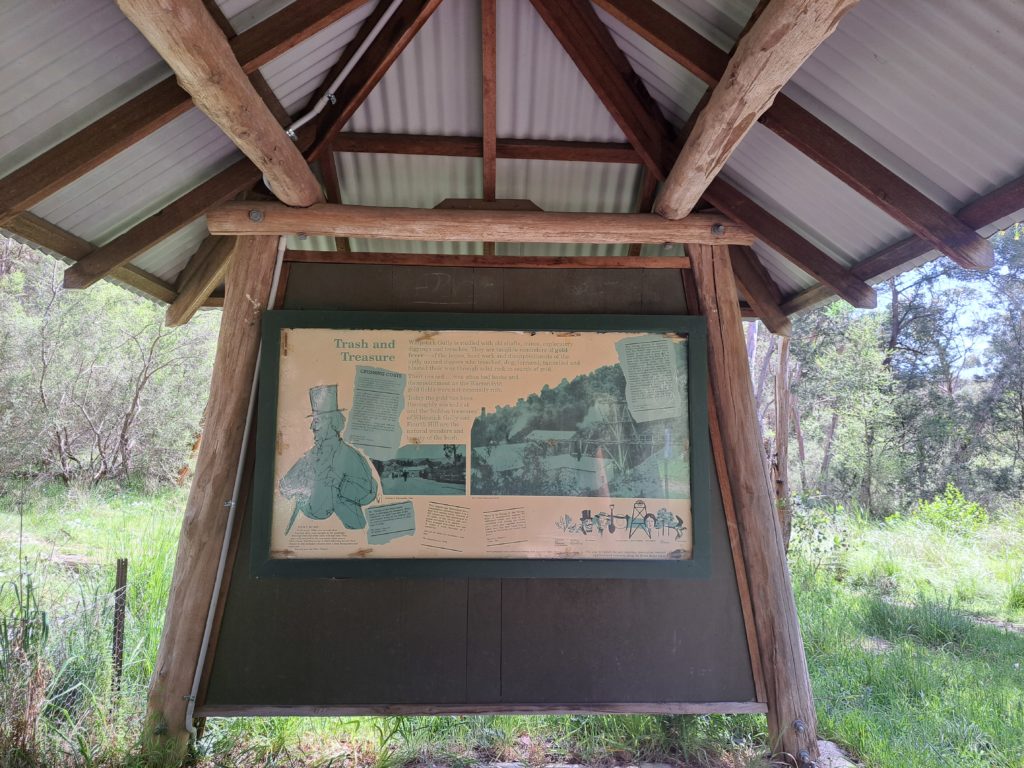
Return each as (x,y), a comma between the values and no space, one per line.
(485,260)
(760,291)
(208,273)
(590,45)
(206,513)
(158,105)
(791,715)
(644,201)
(472,146)
(767,56)
(983,212)
(721,708)
(188,39)
(810,135)
(800,251)
(251,218)
(60,242)
(621,91)
(392,39)
(147,233)
(488,46)
(780,466)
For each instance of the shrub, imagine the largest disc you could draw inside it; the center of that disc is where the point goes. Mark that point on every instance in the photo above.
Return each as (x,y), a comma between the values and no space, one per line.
(951,511)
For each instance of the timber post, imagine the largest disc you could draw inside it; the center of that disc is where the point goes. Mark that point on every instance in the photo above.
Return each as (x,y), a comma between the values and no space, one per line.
(247,291)
(792,723)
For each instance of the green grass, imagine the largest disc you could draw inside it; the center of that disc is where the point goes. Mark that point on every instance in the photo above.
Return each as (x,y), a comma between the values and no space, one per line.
(905,672)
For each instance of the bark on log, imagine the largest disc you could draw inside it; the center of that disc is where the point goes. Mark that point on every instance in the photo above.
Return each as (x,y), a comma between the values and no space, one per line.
(791,718)
(206,514)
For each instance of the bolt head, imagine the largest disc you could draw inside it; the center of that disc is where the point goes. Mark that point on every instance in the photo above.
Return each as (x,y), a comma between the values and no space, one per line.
(255,215)
(302,236)
(718,229)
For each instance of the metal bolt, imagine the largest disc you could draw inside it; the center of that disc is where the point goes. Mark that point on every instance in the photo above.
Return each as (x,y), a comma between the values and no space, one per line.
(667,246)
(799,726)
(255,215)
(718,229)
(292,135)
(332,98)
(302,236)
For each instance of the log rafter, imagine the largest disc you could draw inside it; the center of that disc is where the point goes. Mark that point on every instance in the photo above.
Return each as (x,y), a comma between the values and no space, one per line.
(609,73)
(841,157)
(784,35)
(158,105)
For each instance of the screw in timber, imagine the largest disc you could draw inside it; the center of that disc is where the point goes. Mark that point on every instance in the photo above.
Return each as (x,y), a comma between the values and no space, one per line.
(718,229)
(799,726)
(255,215)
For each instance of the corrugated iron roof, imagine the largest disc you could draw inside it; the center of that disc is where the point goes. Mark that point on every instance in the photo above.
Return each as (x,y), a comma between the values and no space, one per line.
(925,86)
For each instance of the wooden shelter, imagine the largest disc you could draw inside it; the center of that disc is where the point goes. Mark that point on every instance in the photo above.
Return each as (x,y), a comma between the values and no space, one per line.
(715,157)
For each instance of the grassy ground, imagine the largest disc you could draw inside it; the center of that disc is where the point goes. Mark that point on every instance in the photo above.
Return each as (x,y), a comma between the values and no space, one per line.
(905,671)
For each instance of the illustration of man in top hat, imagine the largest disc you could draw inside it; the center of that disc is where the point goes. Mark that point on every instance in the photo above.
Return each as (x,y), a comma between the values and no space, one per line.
(332,477)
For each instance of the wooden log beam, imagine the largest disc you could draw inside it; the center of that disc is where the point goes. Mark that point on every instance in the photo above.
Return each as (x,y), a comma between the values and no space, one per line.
(29,227)
(392,39)
(206,514)
(189,40)
(488,45)
(983,212)
(147,233)
(797,249)
(590,45)
(484,260)
(450,225)
(767,56)
(791,717)
(472,146)
(158,105)
(827,147)
(760,291)
(205,275)
(641,120)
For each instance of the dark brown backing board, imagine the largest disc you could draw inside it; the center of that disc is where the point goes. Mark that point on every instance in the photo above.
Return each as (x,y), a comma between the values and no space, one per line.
(306,646)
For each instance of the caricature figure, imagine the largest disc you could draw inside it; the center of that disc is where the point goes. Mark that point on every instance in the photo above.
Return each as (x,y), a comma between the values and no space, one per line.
(332,477)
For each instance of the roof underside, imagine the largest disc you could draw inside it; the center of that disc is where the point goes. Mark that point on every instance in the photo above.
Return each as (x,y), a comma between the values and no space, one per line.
(923,86)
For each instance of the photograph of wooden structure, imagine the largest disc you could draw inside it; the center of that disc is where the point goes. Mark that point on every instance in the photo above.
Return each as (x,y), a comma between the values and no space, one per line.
(726,158)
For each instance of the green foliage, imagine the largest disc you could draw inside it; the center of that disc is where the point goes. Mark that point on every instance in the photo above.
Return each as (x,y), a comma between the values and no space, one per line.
(92,386)
(950,511)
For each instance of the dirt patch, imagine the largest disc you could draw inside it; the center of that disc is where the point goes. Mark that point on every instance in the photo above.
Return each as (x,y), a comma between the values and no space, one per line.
(1007,626)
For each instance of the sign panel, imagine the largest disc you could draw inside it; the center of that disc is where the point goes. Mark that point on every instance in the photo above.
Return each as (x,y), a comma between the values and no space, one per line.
(476,439)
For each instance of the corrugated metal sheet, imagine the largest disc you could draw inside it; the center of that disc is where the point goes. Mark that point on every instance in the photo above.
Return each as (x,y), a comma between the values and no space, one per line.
(141,180)
(297,73)
(65,64)
(168,257)
(925,86)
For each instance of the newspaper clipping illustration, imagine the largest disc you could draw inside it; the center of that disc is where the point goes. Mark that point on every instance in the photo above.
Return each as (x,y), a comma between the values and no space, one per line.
(482,444)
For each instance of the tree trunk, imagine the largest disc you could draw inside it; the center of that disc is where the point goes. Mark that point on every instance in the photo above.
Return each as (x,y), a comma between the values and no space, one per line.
(826,458)
(792,724)
(206,514)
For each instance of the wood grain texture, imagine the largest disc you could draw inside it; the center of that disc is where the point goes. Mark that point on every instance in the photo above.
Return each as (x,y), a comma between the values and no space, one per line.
(472,146)
(760,291)
(188,39)
(785,34)
(644,201)
(661,708)
(147,233)
(206,514)
(982,212)
(452,225)
(791,715)
(807,133)
(797,249)
(207,274)
(392,39)
(488,47)
(158,105)
(483,260)
(61,243)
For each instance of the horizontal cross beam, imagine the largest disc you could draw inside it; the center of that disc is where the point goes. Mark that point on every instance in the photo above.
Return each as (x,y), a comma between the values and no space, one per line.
(449,225)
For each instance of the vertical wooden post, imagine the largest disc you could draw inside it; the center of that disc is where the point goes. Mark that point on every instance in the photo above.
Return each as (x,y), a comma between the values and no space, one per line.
(247,291)
(120,606)
(792,724)
(783,409)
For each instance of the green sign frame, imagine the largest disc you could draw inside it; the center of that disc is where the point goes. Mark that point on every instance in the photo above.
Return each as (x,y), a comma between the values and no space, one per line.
(701,473)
